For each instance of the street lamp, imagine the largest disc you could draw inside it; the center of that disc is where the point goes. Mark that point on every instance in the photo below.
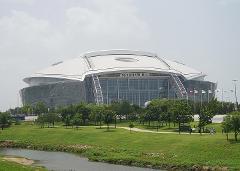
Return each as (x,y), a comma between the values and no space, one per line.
(235,92)
(209,92)
(202,92)
(194,98)
(223,91)
(216,93)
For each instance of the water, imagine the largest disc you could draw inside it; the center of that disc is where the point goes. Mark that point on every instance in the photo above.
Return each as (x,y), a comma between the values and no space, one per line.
(61,161)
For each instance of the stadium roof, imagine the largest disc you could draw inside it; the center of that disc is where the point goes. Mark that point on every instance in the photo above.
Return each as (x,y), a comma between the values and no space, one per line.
(114,61)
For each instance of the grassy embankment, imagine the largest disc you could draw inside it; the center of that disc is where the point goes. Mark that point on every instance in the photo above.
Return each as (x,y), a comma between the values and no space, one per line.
(10,166)
(141,149)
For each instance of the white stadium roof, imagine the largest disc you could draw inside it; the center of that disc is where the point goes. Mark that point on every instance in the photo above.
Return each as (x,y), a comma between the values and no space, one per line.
(114,61)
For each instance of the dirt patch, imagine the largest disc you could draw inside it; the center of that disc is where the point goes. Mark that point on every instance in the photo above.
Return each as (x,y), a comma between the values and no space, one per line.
(6,143)
(23,161)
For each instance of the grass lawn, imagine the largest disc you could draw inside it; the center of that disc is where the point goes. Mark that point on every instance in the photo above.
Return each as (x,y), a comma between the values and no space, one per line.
(10,166)
(120,144)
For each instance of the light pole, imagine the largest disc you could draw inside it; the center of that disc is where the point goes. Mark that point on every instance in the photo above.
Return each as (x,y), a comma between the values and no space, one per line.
(209,92)
(192,91)
(223,91)
(235,92)
(216,93)
(202,92)
(194,99)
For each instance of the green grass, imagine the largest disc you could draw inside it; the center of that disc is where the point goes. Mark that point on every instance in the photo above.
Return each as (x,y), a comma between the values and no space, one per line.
(10,166)
(120,145)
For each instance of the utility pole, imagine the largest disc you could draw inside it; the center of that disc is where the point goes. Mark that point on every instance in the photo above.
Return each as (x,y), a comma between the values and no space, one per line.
(235,92)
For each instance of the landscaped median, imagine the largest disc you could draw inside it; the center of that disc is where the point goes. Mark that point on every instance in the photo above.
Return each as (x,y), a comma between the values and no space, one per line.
(118,146)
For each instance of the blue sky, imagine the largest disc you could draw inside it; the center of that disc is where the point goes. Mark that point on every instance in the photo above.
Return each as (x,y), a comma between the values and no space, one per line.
(204,34)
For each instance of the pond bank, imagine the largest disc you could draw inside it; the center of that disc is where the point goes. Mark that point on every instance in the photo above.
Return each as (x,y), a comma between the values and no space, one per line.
(57,161)
(19,160)
(101,155)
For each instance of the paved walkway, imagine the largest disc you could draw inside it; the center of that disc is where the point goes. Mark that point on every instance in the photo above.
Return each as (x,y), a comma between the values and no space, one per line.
(156,132)
(145,130)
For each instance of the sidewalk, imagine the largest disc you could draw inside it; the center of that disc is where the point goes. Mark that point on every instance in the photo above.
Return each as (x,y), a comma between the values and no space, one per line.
(155,132)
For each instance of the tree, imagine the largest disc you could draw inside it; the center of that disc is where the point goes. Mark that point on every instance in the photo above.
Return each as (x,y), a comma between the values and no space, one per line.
(153,111)
(40,108)
(131,126)
(205,118)
(125,109)
(67,121)
(108,117)
(77,120)
(51,118)
(5,120)
(165,111)
(67,114)
(232,123)
(96,115)
(183,113)
(41,120)
(235,122)
(27,109)
(226,124)
(84,110)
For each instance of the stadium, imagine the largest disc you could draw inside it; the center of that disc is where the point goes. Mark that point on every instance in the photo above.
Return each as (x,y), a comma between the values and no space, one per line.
(115,75)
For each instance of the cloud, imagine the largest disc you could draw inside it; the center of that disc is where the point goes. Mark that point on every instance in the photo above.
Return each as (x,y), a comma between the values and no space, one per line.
(99,24)
(228,2)
(29,43)
(24,36)
(26,44)
(104,24)
(27,2)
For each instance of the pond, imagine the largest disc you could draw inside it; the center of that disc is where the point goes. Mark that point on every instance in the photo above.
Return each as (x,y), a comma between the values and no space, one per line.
(62,161)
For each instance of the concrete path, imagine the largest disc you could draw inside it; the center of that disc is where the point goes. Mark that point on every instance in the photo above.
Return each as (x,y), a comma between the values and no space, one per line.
(145,130)
(156,132)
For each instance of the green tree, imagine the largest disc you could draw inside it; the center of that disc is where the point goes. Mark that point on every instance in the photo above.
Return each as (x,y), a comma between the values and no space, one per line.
(182,112)
(51,118)
(40,108)
(41,120)
(226,125)
(77,120)
(235,122)
(153,111)
(5,120)
(108,117)
(125,109)
(67,121)
(232,123)
(27,109)
(96,115)
(131,125)
(84,110)
(205,118)
(66,113)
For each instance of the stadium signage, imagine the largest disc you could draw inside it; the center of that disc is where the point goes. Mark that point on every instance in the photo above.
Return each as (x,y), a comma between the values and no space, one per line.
(137,74)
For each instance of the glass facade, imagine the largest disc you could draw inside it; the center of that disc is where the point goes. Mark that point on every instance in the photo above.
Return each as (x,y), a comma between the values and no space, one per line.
(135,90)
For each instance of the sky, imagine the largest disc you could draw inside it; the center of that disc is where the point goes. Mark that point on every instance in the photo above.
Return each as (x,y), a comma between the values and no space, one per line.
(203,34)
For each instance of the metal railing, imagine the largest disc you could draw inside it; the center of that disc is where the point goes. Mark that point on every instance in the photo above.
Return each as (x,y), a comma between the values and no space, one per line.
(179,87)
(98,95)
(98,90)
